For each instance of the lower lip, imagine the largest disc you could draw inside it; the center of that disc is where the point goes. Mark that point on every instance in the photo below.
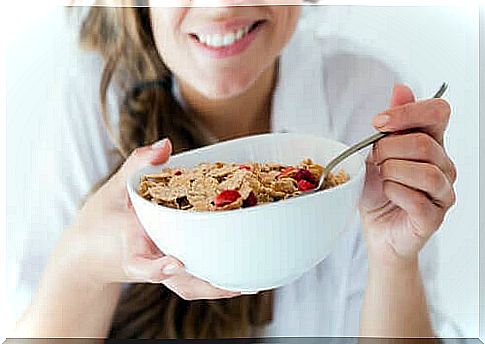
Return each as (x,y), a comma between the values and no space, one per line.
(234,49)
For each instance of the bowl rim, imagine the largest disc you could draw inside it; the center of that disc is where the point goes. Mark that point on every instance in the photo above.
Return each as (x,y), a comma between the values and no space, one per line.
(283,203)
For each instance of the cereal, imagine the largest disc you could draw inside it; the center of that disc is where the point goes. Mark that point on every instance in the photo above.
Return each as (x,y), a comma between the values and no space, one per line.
(226,186)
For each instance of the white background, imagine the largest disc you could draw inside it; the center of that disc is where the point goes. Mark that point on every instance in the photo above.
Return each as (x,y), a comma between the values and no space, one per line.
(428,45)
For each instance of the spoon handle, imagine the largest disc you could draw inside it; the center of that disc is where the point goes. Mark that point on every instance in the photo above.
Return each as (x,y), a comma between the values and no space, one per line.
(362,144)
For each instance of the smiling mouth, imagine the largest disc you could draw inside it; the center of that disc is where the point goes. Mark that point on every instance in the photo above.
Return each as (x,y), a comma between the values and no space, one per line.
(220,40)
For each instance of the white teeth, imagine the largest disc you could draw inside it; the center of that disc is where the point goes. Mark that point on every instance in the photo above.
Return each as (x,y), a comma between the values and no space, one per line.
(216,40)
(223,40)
(229,39)
(240,33)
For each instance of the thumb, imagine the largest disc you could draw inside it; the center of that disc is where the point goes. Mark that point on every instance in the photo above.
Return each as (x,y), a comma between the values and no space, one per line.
(156,154)
(402,94)
(153,270)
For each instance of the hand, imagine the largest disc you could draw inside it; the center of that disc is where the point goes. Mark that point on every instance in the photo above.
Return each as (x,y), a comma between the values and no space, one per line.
(107,243)
(409,181)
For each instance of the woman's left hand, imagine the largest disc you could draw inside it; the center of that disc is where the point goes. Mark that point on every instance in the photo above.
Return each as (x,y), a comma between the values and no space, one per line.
(409,181)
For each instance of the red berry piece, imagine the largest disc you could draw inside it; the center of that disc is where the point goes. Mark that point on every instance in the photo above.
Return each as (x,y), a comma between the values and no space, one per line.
(226,197)
(287,172)
(245,167)
(178,173)
(305,185)
(251,201)
(303,174)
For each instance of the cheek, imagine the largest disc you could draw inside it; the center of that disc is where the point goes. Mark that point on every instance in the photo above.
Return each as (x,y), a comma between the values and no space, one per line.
(165,23)
(287,19)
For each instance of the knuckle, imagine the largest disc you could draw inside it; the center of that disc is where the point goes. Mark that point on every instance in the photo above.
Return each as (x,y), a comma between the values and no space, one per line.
(453,198)
(440,110)
(386,167)
(444,107)
(387,187)
(423,144)
(453,172)
(436,114)
(401,113)
(407,108)
(433,177)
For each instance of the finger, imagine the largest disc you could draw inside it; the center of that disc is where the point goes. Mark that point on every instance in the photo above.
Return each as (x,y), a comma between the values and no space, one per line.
(417,147)
(140,269)
(136,240)
(156,154)
(424,177)
(189,287)
(430,116)
(423,214)
(402,94)
(143,246)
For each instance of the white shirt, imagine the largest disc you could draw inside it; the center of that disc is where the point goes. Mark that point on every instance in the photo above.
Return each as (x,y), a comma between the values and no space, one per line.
(325,87)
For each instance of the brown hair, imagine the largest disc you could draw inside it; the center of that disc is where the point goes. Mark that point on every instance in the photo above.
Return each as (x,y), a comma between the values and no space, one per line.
(124,38)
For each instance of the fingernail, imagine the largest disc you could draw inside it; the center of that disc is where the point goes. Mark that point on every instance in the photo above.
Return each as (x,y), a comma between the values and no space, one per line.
(381,120)
(170,269)
(159,144)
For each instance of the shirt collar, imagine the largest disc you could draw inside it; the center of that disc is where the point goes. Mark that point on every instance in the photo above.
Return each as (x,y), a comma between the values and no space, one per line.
(299,103)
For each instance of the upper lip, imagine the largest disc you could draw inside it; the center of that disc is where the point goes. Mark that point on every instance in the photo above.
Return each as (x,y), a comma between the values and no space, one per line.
(222,27)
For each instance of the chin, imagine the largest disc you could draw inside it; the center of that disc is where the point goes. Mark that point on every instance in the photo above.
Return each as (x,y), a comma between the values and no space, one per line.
(225,89)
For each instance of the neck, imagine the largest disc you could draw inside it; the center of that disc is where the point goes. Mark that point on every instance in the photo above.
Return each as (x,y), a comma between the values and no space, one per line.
(250,110)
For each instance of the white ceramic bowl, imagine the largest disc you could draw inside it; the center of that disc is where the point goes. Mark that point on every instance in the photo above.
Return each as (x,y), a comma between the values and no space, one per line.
(265,246)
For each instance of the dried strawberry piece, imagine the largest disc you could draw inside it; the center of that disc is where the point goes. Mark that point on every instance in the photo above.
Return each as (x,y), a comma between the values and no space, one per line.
(245,167)
(287,172)
(305,185)
(226,197)
(178,173)
(250,201)
(303,174)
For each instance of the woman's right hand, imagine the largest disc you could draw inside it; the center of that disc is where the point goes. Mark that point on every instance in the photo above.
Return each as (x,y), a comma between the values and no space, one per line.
(108,245)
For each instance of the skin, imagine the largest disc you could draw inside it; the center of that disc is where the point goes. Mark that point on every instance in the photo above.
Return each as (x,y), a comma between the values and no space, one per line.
(408,190)
(221,92)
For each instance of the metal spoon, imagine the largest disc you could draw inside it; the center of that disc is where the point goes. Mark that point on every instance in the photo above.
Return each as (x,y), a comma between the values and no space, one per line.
(357,147)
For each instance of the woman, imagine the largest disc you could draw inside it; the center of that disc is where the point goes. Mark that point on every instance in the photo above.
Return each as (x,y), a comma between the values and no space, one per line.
(214,68)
